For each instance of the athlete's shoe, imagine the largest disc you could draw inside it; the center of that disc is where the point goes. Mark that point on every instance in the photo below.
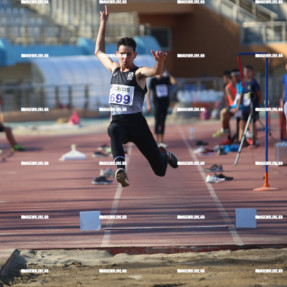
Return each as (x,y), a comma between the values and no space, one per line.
(103,147)
(101,180)
(213,179)
(107,173)
(226,142)
(200,142)
(215,168)
(108,150)
(18,147)
(222,151)
(219,133)
(162,144)
(227,178)
(122,177)
(250,142)
(99,154)
(200,150)
(171,157)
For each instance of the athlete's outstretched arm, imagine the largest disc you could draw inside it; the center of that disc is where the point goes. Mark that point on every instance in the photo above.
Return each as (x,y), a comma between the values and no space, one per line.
(100,43)
(145,72)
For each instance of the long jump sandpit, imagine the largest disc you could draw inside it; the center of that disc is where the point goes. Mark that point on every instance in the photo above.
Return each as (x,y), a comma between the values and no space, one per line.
(99,267)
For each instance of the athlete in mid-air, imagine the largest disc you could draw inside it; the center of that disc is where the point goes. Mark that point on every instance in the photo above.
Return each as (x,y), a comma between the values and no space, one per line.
(127,91)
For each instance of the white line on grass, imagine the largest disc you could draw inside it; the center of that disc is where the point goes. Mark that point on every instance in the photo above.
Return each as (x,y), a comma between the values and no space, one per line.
(235,236)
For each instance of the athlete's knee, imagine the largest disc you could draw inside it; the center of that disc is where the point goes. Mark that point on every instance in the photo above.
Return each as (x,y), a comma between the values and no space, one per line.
(160,172)
(7,129)
(223,112)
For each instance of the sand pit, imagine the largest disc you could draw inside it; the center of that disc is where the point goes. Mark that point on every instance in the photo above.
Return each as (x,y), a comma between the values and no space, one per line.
(85,268)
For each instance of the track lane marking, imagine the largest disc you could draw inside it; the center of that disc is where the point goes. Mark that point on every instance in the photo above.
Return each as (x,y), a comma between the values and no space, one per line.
(235,236)
(107,234)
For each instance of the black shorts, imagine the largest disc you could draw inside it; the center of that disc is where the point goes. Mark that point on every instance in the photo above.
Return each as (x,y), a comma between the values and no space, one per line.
(2,128)
(245,115)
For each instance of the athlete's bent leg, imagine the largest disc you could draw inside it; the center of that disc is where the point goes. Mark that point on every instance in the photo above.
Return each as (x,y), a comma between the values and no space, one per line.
(157,121)
(117,135)
(145,142)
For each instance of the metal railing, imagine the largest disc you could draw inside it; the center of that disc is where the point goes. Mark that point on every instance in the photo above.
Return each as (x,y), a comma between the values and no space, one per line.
(15,97)
(242,10)
(29,35)
(260,12)
(254,32)
(88,97)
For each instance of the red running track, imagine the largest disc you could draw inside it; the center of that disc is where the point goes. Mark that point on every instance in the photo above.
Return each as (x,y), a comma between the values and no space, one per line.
(63,189)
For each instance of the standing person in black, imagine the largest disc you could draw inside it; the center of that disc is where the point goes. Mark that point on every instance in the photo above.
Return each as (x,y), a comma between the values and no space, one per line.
(160,87)
(127,91)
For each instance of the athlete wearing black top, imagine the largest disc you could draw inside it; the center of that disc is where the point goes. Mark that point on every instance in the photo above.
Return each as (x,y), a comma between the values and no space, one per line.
(127,90)
(160,87)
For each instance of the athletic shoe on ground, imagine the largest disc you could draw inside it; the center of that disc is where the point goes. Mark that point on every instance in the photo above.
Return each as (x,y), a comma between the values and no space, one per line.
(207,151)
(171,157)
(162,144)
(215,168)
(227,178)
(250,142)
(200,142)
(248,134)
(103,147)
(122,177)
(216,148)
(107,173)
(219,133)
(99,154)
(200,149)
(226,142)
(18,147)
(221,151)
(213,179)
(101,180)
(108,150)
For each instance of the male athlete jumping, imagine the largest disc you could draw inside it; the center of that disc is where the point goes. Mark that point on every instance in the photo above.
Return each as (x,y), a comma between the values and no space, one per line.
(127,91)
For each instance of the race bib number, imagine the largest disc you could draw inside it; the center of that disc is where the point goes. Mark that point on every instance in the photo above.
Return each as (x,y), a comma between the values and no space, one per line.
(161,91)
(246,99)
(121,95)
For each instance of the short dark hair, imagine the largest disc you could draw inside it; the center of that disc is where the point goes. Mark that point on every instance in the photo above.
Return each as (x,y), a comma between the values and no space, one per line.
(249,67)
(127,41)
(227,74)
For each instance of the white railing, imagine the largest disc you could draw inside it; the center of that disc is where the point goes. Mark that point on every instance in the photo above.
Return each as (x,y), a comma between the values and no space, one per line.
(242,10)
(264,32)
(259,11)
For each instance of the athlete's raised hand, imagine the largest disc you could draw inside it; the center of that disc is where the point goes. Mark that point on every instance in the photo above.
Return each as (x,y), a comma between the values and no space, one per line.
(159,56)
(104,14)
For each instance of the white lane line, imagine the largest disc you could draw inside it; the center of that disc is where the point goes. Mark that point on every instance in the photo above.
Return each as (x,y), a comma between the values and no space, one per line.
(227,220)
(107,234)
